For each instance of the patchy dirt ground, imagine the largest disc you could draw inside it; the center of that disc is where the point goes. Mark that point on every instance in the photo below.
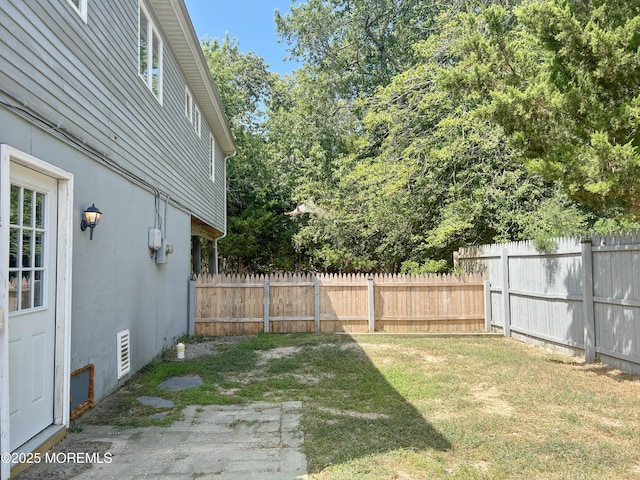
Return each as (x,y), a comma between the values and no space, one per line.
(491,400)
(207,346)
(274,353)
(477,394)
(122,399)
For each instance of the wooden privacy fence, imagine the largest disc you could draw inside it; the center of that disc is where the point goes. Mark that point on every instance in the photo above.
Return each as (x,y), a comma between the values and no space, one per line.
(584,296)
(283,303)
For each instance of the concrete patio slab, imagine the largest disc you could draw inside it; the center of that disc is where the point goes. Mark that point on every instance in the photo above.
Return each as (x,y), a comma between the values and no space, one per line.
(260,440)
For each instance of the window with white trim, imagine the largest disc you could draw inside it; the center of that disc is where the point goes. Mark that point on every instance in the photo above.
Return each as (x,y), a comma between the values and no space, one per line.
(212,157)
(196,119)
(80,7)
(191,111)
(188,104)
(149,53)
(28,238)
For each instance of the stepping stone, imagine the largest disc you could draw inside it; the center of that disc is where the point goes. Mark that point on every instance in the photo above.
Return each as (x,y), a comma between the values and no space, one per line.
(175,384)
(157,402)
(157,416)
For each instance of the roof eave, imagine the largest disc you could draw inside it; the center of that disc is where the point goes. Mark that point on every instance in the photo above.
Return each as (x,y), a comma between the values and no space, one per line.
(177,26)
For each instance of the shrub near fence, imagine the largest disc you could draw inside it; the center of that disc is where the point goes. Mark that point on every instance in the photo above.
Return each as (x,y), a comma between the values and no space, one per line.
(282,303)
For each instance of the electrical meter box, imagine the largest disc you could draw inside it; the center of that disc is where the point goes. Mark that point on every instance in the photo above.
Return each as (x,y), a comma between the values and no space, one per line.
(155,239)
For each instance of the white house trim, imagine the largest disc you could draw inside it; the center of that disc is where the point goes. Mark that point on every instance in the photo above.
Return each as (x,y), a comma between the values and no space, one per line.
(80,7)
(62,369)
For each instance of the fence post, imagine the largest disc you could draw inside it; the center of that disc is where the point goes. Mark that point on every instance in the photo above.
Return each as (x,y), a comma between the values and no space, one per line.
(372,313)
(589,316)
(316,302)
(266,304)
(191,325)
(487,305)
(506,301)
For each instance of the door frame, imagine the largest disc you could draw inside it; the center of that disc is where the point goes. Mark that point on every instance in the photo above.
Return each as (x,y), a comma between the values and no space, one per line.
(62,354)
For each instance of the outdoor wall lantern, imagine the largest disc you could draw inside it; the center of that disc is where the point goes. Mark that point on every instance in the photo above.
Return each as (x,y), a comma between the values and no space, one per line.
(90,219)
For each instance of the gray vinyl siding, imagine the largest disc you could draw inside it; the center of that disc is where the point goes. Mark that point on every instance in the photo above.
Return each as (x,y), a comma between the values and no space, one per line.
(84,77)
(116,284)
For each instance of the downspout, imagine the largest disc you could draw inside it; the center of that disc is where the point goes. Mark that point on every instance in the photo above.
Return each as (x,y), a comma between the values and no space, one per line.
(215,242)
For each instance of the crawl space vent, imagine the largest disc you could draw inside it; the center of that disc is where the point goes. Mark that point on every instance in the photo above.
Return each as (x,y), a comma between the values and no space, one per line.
(124,354)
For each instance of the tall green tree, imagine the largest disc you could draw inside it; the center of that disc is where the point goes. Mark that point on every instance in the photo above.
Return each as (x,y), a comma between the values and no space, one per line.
(417,173)
(426,177)
(562,78)
(357,44)
(415,128)
(259,234)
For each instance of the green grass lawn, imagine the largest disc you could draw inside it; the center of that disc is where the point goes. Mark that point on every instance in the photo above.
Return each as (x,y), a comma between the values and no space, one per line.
(378,407)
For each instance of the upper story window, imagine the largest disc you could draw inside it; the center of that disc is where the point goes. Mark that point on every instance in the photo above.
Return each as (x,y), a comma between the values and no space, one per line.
(196,119)
(212,157)
(80,6)
(188,104)
(191,111)
(149,53)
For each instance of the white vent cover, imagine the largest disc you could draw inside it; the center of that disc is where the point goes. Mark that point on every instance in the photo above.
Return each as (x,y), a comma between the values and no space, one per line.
(124,354)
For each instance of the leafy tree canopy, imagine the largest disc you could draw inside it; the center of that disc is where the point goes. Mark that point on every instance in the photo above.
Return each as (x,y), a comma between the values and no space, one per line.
(259,235)
(415,128)
(562,78)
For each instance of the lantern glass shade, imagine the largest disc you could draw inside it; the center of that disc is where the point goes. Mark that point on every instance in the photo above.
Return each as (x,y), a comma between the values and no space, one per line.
(92,216)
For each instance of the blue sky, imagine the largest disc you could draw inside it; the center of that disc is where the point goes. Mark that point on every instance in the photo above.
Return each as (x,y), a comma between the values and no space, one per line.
(249,21)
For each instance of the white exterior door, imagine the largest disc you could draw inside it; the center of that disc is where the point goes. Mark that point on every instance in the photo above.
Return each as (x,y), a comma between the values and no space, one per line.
(31,302)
